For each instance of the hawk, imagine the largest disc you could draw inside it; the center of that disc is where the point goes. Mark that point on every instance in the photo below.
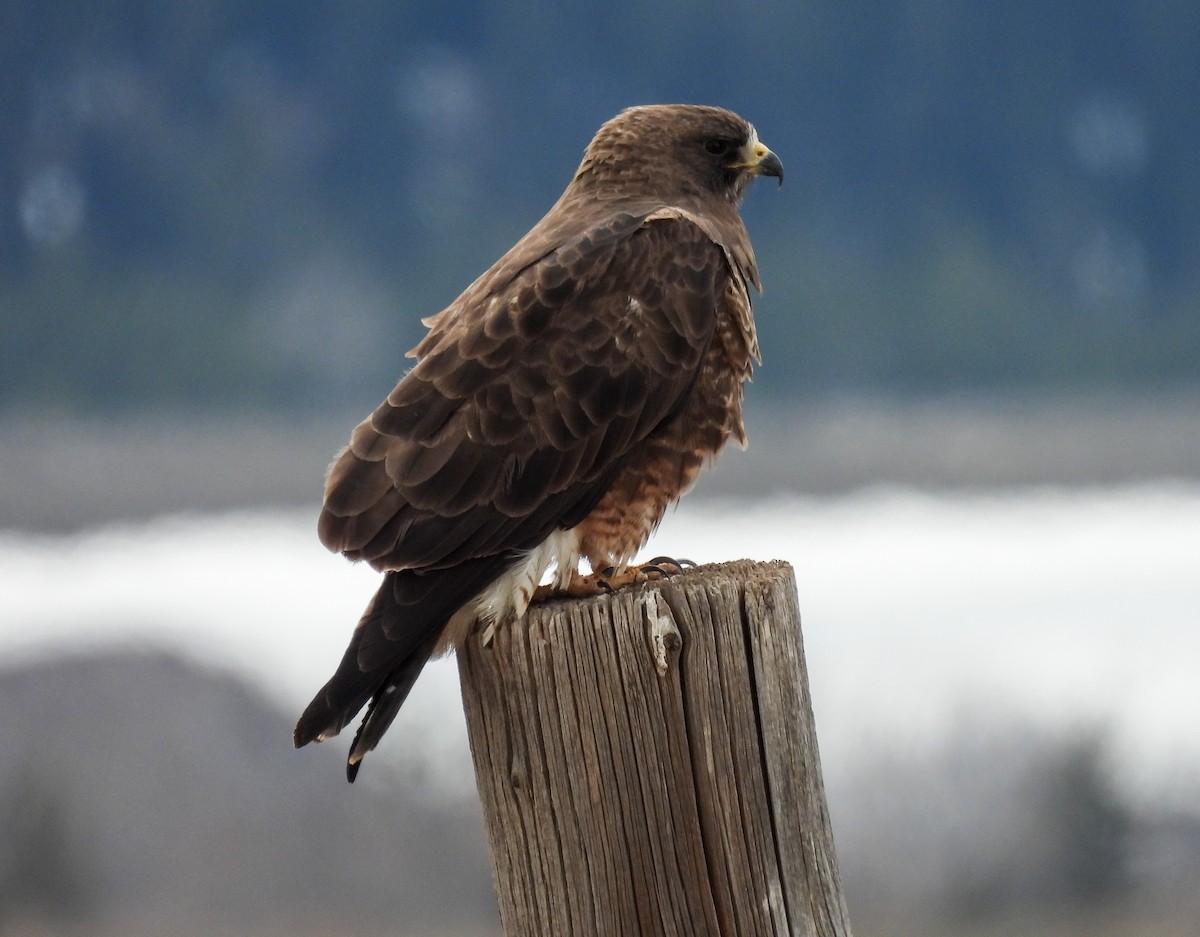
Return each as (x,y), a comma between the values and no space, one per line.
(556,408)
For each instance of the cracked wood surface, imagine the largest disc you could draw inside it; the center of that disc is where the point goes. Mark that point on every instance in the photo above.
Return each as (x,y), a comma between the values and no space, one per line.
(648,763)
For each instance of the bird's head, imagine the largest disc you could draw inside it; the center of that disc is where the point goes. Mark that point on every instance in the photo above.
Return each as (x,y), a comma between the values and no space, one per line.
(677,148)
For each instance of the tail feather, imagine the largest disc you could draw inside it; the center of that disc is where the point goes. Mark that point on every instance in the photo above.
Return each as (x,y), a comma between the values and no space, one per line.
(390,646)
(385,705)
(352,686)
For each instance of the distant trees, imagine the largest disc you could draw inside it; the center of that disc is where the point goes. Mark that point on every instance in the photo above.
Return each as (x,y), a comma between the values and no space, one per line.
(44,868)
(994,823)
(170,794)
(1089,825)
(1072,847)
(218,210)
(139,789)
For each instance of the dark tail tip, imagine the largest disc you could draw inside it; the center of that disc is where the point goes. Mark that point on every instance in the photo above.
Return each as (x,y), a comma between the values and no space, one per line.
(303,734)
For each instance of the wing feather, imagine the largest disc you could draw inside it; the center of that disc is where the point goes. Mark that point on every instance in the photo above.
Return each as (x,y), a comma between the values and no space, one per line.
(523,404)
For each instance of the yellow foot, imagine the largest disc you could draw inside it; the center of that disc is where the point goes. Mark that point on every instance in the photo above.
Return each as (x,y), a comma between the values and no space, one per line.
(608,581)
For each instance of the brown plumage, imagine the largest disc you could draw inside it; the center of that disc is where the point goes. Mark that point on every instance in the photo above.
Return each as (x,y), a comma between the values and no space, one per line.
(557,407)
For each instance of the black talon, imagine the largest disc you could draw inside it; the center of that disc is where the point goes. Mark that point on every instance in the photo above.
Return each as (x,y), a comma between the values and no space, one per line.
(651,568)
(604,584)
(659,561)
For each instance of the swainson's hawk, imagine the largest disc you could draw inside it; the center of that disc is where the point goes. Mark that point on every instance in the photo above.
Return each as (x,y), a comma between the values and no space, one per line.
(557,407)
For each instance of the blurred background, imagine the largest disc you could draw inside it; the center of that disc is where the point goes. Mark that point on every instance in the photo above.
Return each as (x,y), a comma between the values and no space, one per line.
(976,434)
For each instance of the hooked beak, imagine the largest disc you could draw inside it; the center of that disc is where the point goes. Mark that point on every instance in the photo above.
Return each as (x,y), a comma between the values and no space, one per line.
(769,165)
(758,160)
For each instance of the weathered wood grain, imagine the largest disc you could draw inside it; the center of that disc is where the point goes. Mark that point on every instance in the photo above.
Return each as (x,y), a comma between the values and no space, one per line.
(648,763)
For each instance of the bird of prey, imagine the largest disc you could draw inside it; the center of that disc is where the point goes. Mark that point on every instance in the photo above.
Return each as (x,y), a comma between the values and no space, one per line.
(556,408)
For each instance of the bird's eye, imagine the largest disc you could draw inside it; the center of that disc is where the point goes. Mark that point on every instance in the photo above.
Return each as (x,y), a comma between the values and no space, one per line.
(717,147)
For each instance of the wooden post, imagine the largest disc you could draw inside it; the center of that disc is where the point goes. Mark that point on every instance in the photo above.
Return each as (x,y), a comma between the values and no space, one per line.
(648,764)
